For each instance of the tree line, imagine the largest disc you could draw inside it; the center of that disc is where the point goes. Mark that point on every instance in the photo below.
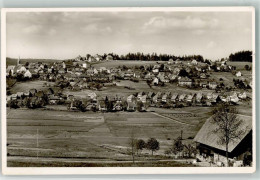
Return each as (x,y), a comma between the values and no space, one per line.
(241,56)
(152,57)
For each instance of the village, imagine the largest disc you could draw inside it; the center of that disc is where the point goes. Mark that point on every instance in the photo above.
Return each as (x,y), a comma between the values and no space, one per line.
(79,75)
(92,84)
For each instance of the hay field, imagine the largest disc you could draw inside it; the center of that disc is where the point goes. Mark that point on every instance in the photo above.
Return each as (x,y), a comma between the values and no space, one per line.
(87,136)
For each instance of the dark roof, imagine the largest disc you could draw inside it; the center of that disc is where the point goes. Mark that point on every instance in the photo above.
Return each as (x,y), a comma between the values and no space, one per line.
(207,137)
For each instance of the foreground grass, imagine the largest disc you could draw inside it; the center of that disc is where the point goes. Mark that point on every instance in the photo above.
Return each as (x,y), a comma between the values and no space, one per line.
(80,164)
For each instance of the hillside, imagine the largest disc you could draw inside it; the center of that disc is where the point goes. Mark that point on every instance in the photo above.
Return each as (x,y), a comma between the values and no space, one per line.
(12,61)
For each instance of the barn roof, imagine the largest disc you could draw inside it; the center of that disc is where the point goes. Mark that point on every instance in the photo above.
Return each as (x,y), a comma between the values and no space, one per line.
(207,137)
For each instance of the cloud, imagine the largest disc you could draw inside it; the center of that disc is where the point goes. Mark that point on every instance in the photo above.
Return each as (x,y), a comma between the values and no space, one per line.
(211,44)
(95,29)
(198,24)
(52,32)
(32,29)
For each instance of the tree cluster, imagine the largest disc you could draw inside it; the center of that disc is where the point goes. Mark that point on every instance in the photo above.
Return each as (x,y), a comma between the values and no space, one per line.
(241,56)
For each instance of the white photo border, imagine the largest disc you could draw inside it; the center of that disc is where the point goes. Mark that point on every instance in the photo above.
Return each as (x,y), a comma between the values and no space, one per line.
(120,170)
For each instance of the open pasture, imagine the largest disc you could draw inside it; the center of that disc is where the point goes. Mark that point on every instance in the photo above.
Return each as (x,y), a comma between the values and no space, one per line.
(26,86)
(127,63)
(239,65)
(75,135)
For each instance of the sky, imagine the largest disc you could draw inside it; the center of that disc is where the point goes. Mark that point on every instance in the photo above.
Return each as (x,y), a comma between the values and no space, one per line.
(65,35)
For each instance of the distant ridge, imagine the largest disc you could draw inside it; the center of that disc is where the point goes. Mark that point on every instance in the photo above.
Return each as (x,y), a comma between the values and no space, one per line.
(13,61)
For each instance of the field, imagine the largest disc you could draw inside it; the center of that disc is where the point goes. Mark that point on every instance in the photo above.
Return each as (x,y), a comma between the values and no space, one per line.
(116,63)
(239,65)
(13,61)
(26,86)
(94,137)
(53,136)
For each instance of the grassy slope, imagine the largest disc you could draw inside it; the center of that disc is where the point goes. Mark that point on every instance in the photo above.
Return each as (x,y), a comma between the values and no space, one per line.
(13,61)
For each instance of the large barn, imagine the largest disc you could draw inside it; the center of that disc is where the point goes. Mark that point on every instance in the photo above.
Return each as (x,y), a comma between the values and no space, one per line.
(239,151)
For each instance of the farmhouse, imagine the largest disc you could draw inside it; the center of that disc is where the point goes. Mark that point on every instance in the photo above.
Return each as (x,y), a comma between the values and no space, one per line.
(210,148)
(185,81)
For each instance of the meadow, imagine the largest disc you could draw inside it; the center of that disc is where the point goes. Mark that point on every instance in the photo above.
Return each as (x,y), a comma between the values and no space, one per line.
(91,136)
(26,86)
(128,63)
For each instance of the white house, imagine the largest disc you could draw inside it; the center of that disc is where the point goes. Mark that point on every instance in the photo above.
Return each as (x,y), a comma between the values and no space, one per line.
(28,74)
(155,81)
(194,62)
(238,74)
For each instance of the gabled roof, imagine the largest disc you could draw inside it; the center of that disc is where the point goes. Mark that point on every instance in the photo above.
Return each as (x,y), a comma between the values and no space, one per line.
(207,137)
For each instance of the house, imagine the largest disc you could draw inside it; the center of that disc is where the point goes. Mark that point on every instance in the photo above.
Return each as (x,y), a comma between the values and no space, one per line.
(32,92)
(190,98)
(178,61)
(131,106)
(92,96)
(172,77)
(61,71)
(130,98)
(233,97)
(194,62)
(157,97)
(155,81)
(143,99)
(109,57)
(174,97)
(10,71)
(156,70)
(150,96)
(149,76)
(13,97)
(140,94)
(54,99)
(209,147)
(27,74)
(185,81)
(238,74)
(198,97)
(176,71)
(212,85)
(203,76)
(164,98)
(182,97)
(242,95)
(203,83)
(102,105)
(215,98)
(118,106)
(170,61)
(20,69)
(19,95)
